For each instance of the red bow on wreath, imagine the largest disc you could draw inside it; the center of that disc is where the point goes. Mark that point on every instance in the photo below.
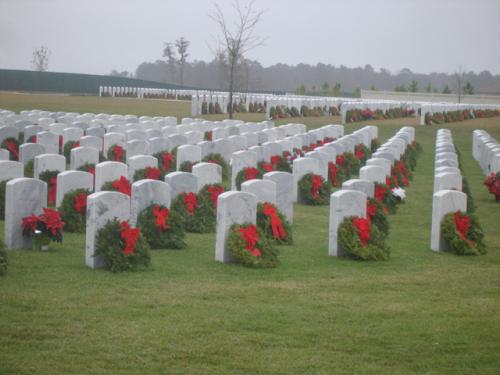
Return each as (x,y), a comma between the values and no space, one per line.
(166,159)
(363,226)
(371,209)
(161,217)
(91,169)
(275,159)
(340,160)
(332,173)
(276,224)
(12,148)
(379,193)
(122,185)
(129,236)
(462,224)
(76,144)
(52,190)
(251,237)
(251,173)
(316,183)
(215,191)
(153,173)
(191,202)
(359,154)
(118,153)
(80,203)
(266,167)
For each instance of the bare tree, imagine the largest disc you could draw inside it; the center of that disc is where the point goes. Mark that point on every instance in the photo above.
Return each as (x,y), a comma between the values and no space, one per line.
(459,82)
(238,39)
(182,46)
(41,59)
(169,53)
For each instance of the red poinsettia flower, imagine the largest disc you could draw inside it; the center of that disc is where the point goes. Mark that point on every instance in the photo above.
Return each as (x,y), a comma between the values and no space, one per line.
(276,225)
(363,227)
(215,191)
(129,236)
(52,220)
(30,223)
(251,237)
(80,203)
(166,160)
(251,173)
(340,160)
(462,224)
(316,183)
(191,202)
(161,218)
(118,153)
(52,190)
(153,173)
(122,185)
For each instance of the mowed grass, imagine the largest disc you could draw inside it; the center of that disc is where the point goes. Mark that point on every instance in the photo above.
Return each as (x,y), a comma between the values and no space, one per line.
(417,312)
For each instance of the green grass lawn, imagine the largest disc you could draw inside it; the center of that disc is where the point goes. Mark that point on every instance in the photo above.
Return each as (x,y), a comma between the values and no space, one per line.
(417,312)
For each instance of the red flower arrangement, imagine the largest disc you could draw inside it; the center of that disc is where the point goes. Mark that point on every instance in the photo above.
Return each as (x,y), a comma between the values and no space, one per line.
(49,223)
(190,201)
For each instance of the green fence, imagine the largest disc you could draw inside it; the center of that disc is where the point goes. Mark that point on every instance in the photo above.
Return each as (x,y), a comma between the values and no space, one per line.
(26,80)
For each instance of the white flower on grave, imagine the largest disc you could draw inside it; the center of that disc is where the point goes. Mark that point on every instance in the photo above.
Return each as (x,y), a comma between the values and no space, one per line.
(399,193)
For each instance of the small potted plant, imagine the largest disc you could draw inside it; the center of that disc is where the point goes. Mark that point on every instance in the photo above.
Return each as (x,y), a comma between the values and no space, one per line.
(43,228)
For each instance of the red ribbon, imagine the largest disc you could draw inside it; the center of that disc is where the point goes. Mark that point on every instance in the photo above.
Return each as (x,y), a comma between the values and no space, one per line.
(191,202)
(316,183)
(332,173)
(129,236)
(91,169)
(379,193)
(208,135)
(117,153)
(12,148)
(363,226)
(462,224)
(32,139)
(251,173)
(122,185)
(359,154)
(166,159)
(276,225)
(76,144)
(340,160)
(80,203)
(215,191)
(153,173)
(161,217)
(52,190)
(251,237)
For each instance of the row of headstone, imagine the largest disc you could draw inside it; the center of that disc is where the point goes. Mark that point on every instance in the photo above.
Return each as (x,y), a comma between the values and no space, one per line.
(448,196)
(375,105)
(141,92)
(486,151)
(431,108)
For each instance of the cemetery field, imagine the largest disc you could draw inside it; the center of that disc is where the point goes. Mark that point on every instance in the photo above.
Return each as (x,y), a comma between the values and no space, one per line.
(419,311)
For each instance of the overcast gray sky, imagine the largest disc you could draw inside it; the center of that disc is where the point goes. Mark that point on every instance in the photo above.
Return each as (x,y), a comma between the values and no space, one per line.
(96,36)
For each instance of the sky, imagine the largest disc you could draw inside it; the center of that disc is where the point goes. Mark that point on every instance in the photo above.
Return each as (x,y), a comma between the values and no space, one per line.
(97,36)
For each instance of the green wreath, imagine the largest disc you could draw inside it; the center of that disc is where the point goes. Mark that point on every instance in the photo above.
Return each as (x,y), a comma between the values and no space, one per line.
(205,199)
(29,169)
(472,244)
(75,221)
(236,245)
(110,155)
(87,167)
(389,201)
(13,154)
(380,218)
(348,238)
(351,164)
(304,187)
(240,177)
(187,166)
(109,245)
(201,221)
(282,165)
(68,146)
(2,199)
(4,260)
(374,145)
(264,224)
(366,153)
(141,174)
(218,159)
(172,164)
(172,238)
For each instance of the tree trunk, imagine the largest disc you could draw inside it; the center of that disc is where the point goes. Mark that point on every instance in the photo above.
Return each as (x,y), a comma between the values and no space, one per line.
(231,84)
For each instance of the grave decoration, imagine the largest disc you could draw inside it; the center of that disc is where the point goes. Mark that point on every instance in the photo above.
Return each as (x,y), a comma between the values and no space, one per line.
(196,212)
(74,210)
(333,174)
(250,247)
(68,146)
(362,153)
(274,224)
(87,167)
(463,234)
(187,166)
(347,165)
(148,173)
(314,190)
(248,173)
(219,160)
(362,240)
(374,144)
(162,228)
(29,169)
(43,228)
(122,247)
(121,185)
(207,136)
(11,145)
(208,196)
(116,153)
(2,199)
(50,177)
(166,161)
(492,182)
(377,214)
